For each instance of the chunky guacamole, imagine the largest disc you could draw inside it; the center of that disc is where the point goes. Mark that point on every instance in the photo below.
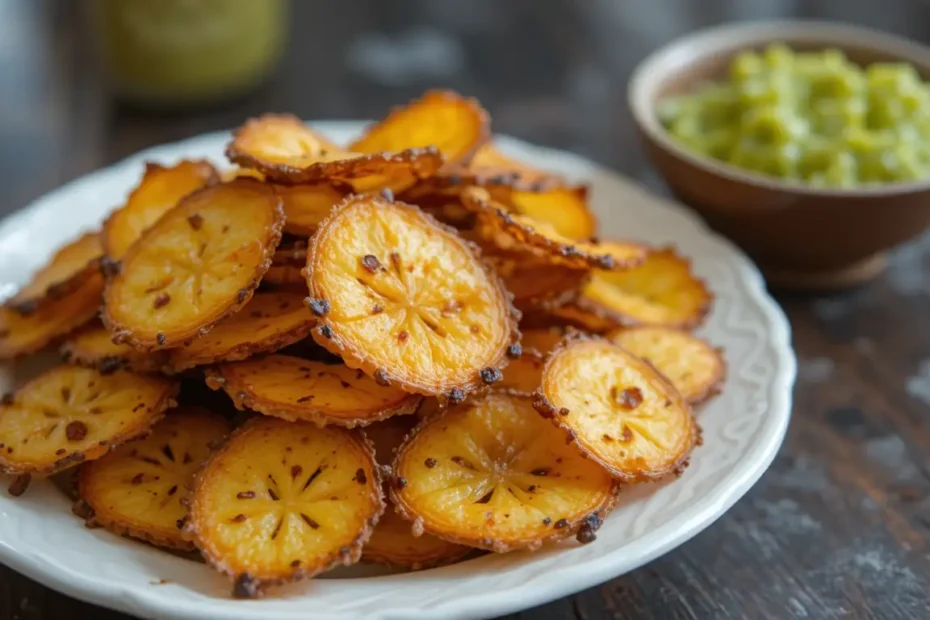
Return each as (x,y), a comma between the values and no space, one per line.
(811,117)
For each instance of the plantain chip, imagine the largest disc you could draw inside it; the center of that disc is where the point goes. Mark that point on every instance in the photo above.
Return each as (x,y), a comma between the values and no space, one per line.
(535,282)
(406,300)
(661,291)
(292,388)
(541,340)
(238,171)
(577,313)
(565,209)
(198,264)
(490,166)
(393,542)
(270,321)
(160,189)
(523,375)
(287,265)
(93,347)
(305,206)
(138,489)
(71,414)
(490,473)
(510,230)
(618,409)
(455,125)
(282,501)
(283,275)
(285,150)
(692,365)
(70,268)
(49,321)
(274,140)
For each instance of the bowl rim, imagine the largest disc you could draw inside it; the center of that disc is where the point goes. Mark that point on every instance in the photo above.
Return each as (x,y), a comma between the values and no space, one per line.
(734,36)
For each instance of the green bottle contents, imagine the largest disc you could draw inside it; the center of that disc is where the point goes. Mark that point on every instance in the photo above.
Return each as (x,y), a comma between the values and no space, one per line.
(178,52)
(810,117)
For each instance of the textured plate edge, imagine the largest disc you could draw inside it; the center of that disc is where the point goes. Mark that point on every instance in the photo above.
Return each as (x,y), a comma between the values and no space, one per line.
(705,512)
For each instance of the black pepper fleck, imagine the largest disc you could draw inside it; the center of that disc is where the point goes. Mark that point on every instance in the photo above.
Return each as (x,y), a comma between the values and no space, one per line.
(319,307)
(491,375)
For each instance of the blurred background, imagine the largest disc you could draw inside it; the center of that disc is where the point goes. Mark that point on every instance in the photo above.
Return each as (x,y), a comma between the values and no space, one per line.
(839,526)
(552,71)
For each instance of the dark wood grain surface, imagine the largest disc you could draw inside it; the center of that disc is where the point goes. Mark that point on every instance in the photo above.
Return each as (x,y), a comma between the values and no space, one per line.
(838,528)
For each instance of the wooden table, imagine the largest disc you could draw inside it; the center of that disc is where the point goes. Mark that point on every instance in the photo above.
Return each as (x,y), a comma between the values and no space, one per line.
(839,527)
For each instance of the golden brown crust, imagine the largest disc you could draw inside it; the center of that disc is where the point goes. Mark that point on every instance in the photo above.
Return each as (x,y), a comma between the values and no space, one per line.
(395,546)
(136,326)
(577,313)
(431,113)
(600,302)
(149,465)
(696,387)
(523,375)
(304,390)
(50,321)
(582,525)
(287,265)
(270,321)
(305,205)
(319,161)
(536,283)
(71,440)
(93,347)
(510,229)
(70,268)
(635,470)
(159,190)
(247,584)
(356,354)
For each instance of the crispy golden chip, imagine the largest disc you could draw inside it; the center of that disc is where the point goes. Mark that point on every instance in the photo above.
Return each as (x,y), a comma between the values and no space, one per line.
(490,473)
(406,300)
(491,167)
(565,208)
(393,542)
(285,150)
(198,264)
(493,170)
(282,501)
(283,275)
(578,313)
(273,140)
(270,321)
(238,171)
(661,291)
(71,414)
(692,365)
(541,339)
(531,234)
(70,268)
(535,282)
(49,321)
(297,389)
(157,193)
(137,490)
(93,347)
(287,264)
(523,375)
(455,125)
(618,409)
(305,206)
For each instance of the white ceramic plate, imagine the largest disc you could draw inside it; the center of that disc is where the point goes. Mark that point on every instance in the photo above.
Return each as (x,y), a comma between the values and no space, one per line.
(743,429)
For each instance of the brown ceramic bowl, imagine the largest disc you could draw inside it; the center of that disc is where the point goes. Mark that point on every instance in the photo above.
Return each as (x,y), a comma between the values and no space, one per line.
(801,236)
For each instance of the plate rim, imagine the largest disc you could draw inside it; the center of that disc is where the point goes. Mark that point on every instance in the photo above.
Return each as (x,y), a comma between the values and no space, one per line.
(701,515)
